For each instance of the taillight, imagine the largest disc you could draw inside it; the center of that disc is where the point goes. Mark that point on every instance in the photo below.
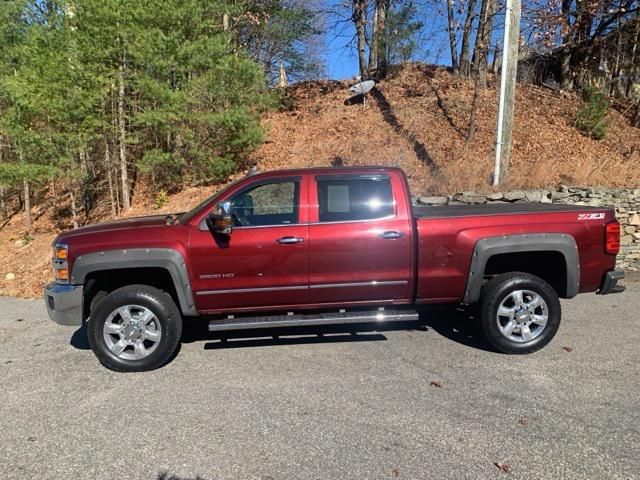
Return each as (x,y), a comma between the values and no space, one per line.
(612,238)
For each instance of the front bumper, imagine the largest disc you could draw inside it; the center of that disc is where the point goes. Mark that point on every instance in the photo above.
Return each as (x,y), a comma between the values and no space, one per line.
(610,283)
(64,303)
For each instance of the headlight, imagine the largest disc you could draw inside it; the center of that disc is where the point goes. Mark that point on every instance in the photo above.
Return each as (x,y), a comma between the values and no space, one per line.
(60,263)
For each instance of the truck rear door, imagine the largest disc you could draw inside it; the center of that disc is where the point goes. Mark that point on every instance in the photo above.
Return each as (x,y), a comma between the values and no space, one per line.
(360,238)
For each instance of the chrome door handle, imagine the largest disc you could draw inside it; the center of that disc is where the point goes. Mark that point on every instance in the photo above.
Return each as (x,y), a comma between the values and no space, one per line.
(289,240)
(391,235)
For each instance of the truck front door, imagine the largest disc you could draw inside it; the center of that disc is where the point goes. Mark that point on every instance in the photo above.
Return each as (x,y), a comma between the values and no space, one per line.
(264,261)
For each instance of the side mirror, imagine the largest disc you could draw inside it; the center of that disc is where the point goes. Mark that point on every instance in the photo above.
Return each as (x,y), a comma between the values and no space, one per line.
(220,220)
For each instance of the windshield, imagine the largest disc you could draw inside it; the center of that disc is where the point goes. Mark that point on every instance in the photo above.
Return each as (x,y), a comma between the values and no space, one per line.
(188,216)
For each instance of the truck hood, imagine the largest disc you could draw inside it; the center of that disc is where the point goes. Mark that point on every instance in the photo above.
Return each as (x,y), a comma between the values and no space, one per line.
(125,224)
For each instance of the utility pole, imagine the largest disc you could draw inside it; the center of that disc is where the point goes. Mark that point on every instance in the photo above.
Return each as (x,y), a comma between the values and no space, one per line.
(507,90)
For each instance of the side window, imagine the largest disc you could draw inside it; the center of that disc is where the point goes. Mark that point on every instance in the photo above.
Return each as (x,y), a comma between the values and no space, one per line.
(360,198)
(266,204)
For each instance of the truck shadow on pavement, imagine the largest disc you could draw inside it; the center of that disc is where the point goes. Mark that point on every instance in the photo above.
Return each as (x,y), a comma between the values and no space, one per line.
(79,338)
(453,323)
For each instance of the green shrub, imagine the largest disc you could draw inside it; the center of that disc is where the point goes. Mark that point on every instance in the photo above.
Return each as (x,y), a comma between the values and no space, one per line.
(161,199)
(27,238)
(592,117)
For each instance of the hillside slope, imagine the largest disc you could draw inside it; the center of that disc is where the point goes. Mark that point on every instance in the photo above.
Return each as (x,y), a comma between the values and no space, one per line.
(417,119)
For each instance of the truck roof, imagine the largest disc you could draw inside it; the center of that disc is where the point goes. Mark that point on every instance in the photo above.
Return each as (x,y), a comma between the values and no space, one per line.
(363,168)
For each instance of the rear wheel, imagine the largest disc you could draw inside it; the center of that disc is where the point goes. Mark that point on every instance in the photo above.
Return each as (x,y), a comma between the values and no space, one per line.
(135,328)
(520,313)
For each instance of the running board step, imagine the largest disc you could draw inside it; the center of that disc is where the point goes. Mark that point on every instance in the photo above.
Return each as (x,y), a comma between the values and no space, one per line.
(298,320)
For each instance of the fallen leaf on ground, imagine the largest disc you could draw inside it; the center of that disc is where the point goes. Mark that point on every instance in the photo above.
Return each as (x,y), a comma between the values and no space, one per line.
(503,466)
(567,349)
(436,384)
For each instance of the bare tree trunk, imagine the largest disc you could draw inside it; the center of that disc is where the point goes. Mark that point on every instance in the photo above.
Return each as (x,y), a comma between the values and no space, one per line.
(27,204)
(373,46)
(634,63)
(483,38)
(471,132)
(3,191)
(565,58)
(382,7)
(465,54)
(614,84)
(452,37)
(107,163)
(74,210)
(494,63)
(360,19)
(113,167)
(84,183)
(124,177)
(82,156)
(3,202)
(565,69)
(117,192)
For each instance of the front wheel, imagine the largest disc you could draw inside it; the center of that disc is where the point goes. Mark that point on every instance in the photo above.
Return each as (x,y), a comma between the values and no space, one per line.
(520,313)
(134,329)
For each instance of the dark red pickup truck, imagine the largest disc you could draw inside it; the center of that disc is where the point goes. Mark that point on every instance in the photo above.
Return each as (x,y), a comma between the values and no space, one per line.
(326,246)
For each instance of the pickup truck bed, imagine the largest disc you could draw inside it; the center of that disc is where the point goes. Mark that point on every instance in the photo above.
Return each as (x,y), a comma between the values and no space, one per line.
(483,210)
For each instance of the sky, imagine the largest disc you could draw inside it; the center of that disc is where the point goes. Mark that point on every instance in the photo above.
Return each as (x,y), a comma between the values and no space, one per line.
(341,59)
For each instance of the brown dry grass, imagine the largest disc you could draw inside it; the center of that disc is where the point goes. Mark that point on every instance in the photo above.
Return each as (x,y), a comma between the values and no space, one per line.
(417,120)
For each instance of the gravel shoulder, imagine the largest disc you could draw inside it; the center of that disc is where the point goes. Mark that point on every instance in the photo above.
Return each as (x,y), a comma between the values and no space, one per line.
(417,401)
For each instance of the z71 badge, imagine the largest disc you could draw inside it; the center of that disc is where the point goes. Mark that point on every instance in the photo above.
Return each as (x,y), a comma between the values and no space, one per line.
(591,216)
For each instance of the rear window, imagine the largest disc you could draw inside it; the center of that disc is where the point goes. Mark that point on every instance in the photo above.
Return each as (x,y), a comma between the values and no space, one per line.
(351,198)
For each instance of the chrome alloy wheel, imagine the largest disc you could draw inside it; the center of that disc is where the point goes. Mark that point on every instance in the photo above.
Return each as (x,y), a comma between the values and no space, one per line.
(132,332)
(522,316)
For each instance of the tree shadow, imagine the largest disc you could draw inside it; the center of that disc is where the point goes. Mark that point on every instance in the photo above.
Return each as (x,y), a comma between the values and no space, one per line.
(357,99)
(10,216)
(441,105)
(390,117)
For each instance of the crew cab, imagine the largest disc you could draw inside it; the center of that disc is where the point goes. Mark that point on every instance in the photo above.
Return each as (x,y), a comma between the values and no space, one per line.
(326,246)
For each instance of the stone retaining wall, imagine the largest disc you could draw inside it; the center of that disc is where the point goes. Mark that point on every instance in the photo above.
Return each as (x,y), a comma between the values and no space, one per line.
(625,201)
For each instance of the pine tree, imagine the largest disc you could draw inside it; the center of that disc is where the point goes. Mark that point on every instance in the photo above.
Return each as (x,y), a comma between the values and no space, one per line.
(94,91)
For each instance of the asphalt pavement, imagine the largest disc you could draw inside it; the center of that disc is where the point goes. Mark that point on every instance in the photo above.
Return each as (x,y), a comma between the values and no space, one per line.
(424,400)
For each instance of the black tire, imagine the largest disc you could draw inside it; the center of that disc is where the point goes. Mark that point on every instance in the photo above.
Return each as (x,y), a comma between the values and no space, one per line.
(96,299)
(163,308)
(499,289)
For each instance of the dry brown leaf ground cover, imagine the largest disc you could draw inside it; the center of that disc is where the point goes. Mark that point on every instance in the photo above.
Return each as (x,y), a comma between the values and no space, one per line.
(418,120)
